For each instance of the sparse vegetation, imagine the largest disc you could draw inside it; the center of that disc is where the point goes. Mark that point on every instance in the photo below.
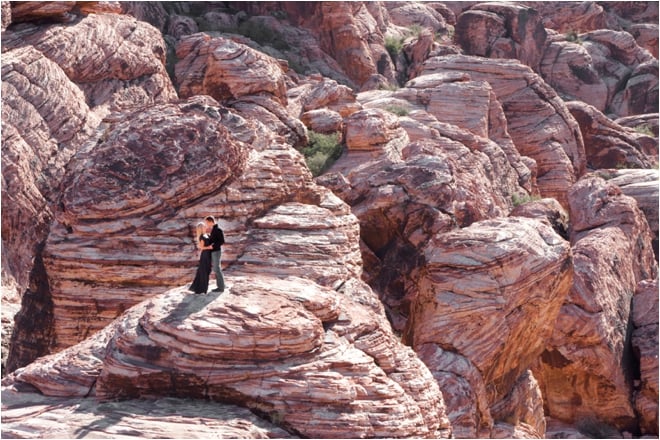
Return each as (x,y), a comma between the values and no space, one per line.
(393,45)
(398,110)
(415,30)
(322,151)
(644,129)
(518,199)
(573,36)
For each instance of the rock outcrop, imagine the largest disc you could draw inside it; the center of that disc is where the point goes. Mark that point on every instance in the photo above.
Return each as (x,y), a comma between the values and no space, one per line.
(586,371)
(645,346)
(428,283)
(558,148)
(286,348)
(500,30)
(607,144)
(641,185)
(481,317)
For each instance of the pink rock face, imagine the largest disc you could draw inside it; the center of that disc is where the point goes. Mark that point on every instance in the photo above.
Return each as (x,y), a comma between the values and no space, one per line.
(34,414)
(566,17)
(498,30)
(148,166)
(481,316)
(528,104)
(585,371)
(40,133)
(645,347)
(133,73)
(607,144)
(55,88)
(225,69)
(641,185)
(404,194)
(646,36)
(282,346)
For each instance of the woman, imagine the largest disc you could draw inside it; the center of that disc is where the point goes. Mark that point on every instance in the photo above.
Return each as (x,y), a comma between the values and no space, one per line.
(201,282)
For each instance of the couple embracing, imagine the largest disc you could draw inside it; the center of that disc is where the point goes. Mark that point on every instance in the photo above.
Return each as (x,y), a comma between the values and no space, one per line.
(210,239)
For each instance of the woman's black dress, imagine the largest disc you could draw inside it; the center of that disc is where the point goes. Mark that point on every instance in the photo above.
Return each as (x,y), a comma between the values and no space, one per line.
(201,282)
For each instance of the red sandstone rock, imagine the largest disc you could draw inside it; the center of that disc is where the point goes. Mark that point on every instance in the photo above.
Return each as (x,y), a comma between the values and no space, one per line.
(27,414)
(226,70)
(502,30)
(646,36)
(645,346)
(148,166)
(607,144)
(640,94)
(641,185)
(549,209)
(5,14)
(565,17)
(403,195)
(479,304)
(28,11)
(116,60)
(584,373)
(322,121)
(529,104)
(284,347)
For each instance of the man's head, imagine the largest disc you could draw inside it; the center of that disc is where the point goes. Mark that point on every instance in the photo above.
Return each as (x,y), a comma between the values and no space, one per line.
(210,221)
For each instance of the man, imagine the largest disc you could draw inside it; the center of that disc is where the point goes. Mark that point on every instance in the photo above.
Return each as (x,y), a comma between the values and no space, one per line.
(217,240)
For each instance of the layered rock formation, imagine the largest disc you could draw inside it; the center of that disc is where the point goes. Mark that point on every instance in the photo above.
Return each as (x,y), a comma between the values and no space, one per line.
(588,361)
(420,287)
(481,317)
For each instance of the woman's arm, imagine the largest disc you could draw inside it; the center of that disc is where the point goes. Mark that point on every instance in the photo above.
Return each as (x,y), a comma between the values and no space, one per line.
(202,247)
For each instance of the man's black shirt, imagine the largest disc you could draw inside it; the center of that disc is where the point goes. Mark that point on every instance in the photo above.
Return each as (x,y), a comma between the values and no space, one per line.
(217,237)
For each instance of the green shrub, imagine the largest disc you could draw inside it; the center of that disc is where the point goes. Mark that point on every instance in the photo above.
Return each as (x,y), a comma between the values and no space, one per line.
(415,30)
(518,199)
(322,151)
(573,36)
(398,110)
(644,129)
(394,45)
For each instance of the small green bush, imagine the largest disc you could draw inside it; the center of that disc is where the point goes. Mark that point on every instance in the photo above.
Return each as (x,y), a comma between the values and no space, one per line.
(398,110)
(415,30)
(322,151)
(518,199)
(393,45)
(644,129)
(573,36)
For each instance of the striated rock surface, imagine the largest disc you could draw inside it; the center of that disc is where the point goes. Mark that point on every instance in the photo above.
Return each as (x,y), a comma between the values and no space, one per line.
(548,209)
(558,147)
(481,317)
(501,30)
(226,70)
(116,60)
(645,347)
(287,348)
(646,36)
(58,80)
(586,371)
(567,17)
(106,171)
(33,415)
(641,185)
(604,68)
(405,192)
(607,144)
(119,199)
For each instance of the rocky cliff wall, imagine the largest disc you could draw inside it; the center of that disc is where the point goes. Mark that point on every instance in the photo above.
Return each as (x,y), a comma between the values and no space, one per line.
(476,263)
